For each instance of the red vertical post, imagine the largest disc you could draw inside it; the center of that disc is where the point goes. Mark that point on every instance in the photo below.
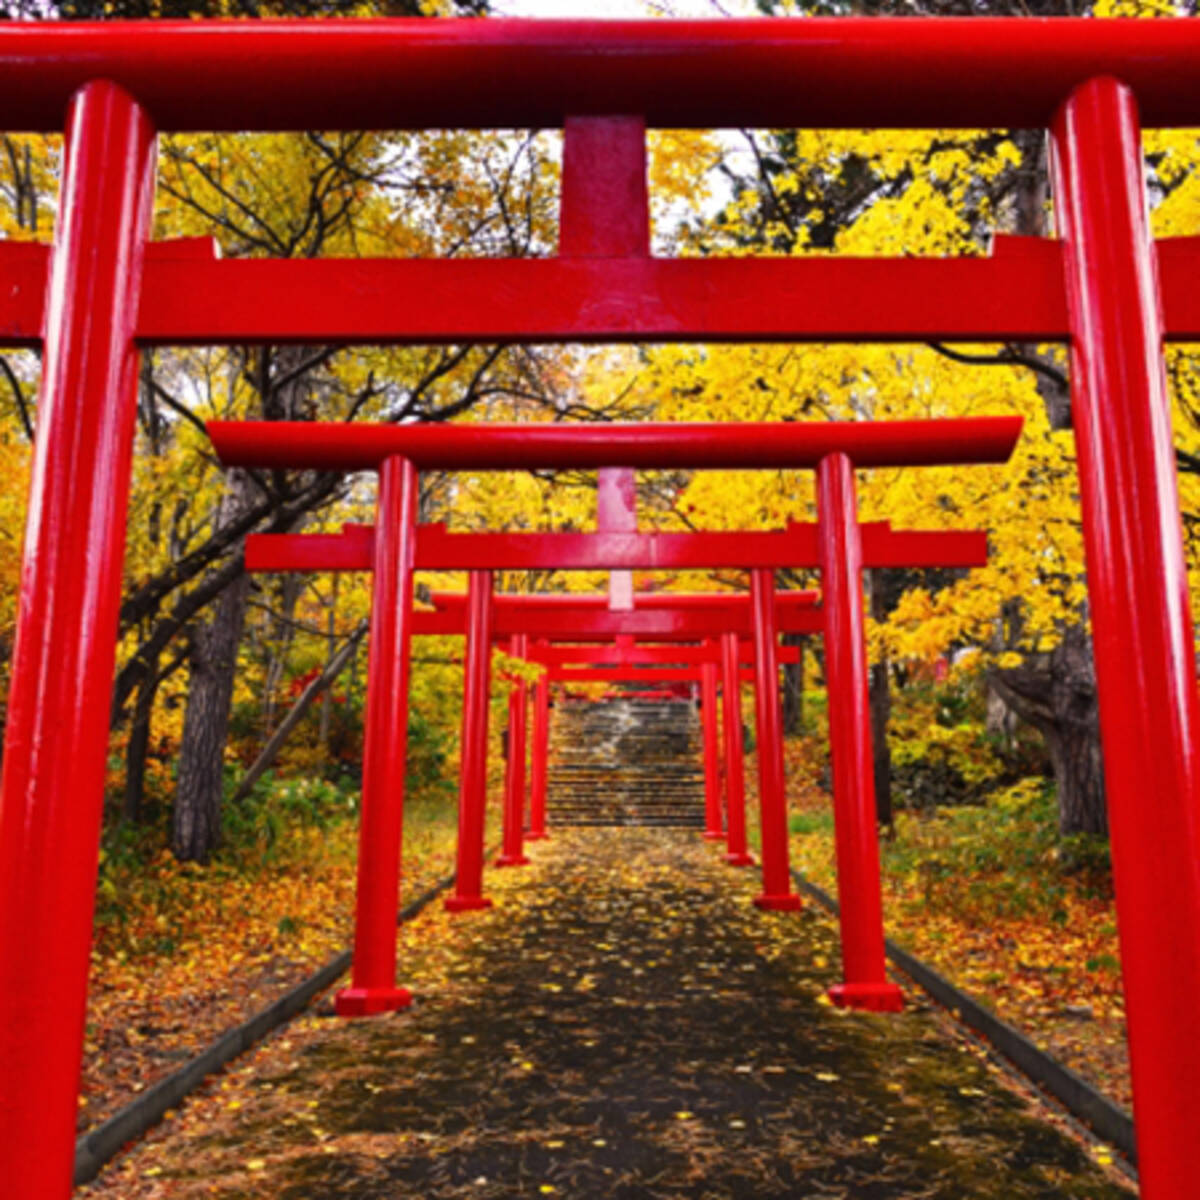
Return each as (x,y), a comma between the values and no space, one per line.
(737,853)
(864,979)
(56,739)
(1141,620)
(772,797)
(713,826)
(512,852)
(539,755)
(616,512)
(472,791)
(605,213)
(385,748)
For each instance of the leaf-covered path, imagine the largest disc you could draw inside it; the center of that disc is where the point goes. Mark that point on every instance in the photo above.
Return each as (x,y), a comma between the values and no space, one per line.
(623,1024)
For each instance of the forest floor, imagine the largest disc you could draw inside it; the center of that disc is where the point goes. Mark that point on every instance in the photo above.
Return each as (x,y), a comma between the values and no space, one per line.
(183,953)
(983,895)
(623,1024)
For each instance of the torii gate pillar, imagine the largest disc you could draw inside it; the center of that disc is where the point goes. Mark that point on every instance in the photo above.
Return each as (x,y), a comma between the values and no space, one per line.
(539,755)
(513,850)
(864,978)
(713,826)
(472,789)
(737,854)
(385,751)
(1140,609)
(777,893)
(56,738)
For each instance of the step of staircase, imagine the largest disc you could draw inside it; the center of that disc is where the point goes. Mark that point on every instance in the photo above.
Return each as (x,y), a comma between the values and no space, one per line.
(625,762)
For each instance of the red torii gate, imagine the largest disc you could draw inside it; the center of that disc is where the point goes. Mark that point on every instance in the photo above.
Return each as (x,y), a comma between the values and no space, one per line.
(714,660)
(691,616)
(565,663)
(605,652)
(597,624)
(518,617)
(836,544)
(1105,286)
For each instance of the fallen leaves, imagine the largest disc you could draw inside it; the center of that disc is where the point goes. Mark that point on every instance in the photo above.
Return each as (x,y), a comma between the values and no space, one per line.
(1047,961)
(191,951)
(437,1102)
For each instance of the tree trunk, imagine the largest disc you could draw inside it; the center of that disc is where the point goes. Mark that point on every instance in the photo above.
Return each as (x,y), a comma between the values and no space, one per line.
(285,634)
(139,737)
(196,823)
(1056,694)
(880,698)
(320,685)
(793,688)
(135,751)
(1000,721)
(331,643)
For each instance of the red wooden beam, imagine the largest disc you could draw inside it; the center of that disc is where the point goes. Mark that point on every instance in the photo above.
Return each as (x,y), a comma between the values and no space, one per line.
(603,625)
(634,674)
(616,674)
(191,298)
(641,600)
(1017,293)
(440,550)
(420,74)
(326,445)
(625,656)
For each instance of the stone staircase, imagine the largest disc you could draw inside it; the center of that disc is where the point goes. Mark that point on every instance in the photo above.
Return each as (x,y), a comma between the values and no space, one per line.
(625,762)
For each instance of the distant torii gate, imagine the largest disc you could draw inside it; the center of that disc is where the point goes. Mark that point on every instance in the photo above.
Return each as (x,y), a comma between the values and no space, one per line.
(708,659)
(1105,286)
(597,624)
(485,619)
(836,544)
(707,615)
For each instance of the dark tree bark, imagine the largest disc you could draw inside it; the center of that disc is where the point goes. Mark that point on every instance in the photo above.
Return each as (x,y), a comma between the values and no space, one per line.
(1056,694)
(196,824)
(139,737)
(793,688)
(880,697)
(290,587)
(136,750)
(331,643)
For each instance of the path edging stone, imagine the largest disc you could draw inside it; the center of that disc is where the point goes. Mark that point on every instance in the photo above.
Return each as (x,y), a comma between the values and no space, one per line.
(1107,1120)
(97,1146)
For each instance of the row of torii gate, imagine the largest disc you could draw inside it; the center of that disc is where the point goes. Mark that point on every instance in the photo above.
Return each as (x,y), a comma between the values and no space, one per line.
(396,546)
(105,290)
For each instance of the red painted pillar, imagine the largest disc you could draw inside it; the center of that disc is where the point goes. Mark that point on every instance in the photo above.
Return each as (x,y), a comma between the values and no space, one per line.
(539,756)
(713,826)
(864,980)
(385,749)
(1141,622)
(512,852)
(56,739)
(737,853)
(472,792)
(777,891)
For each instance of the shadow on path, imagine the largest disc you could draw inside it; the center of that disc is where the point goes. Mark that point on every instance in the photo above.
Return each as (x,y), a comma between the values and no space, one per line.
(624,1024)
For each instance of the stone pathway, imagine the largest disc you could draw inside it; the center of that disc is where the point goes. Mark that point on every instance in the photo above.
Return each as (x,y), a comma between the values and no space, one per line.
(623,1024)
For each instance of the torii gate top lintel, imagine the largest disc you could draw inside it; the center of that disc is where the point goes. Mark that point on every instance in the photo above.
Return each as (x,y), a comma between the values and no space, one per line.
(935,73)
(644,445)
